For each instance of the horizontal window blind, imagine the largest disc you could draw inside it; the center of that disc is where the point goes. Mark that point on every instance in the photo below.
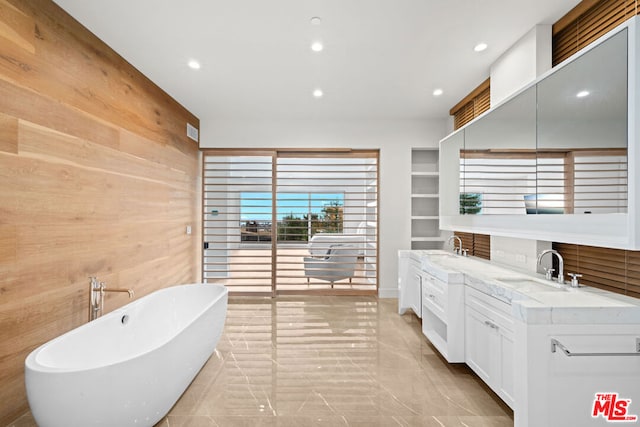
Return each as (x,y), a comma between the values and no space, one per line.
(615,270)
(581,27)
(496,182)
(478,245)
(327,212)
(543,182)
(583,182)
(477,102)
(279,222)
(237,222)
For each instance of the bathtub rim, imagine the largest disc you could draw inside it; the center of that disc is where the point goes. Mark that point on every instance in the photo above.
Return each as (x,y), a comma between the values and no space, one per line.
(31,363)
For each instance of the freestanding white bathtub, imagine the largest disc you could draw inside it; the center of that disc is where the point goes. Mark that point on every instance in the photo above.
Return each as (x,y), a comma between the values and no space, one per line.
(129,367)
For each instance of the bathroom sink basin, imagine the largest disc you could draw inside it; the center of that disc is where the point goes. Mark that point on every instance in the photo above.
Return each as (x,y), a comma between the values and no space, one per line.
(533,285)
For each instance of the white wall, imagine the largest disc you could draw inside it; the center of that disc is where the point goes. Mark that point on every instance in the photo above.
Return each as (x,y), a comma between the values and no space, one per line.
(522,63)
(394,139)
(520,253)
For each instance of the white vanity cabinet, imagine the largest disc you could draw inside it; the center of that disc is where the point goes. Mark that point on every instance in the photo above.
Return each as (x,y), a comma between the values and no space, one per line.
(489,338)
(547,352)
(409,284)
(443,311)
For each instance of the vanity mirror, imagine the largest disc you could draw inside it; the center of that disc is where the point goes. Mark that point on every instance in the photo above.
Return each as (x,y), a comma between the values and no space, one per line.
(559,147)
(498,161)
(563,145)
(582,133)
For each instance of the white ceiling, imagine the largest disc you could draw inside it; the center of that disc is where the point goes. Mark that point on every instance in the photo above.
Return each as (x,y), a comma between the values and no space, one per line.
(382,58)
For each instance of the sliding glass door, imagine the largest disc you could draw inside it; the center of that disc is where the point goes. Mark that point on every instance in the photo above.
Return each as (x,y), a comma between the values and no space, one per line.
(238,242)
(319,236)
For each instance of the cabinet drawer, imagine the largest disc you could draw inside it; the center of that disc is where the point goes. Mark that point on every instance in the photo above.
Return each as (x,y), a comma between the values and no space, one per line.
(434,282)
(434,299)
(499,312)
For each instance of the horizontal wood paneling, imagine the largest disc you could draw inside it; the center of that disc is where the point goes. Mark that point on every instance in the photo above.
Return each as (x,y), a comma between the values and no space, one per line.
(614,270)
(98,178)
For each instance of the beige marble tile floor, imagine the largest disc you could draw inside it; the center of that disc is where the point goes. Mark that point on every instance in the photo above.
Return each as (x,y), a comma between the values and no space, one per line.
(330,361)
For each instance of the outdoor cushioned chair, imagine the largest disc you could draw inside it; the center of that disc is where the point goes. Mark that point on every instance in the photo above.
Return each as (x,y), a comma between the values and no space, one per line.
(337,264)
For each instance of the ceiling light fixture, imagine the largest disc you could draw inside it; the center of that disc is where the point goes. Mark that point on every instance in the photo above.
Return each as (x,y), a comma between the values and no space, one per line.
(316,20)
(193,64)
(582,93)
(438,92)
(317,47)
(480,47)
(317,93)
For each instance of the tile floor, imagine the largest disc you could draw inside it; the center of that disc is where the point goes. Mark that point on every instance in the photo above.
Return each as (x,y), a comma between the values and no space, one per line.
(330,361)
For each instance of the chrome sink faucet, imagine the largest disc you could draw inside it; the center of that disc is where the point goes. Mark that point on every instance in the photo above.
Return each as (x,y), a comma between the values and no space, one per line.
(457,250)
(560,263)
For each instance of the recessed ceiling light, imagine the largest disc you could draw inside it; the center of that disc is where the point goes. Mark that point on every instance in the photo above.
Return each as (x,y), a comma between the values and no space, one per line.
(317,93)
(316,20)
(438,92)
(317,46)
(480,47)
(194,64)
(582,93)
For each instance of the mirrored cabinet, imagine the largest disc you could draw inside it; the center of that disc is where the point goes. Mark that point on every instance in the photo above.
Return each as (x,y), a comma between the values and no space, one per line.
(556,161)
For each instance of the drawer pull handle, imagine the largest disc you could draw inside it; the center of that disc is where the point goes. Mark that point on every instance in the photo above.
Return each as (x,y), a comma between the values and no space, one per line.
(491,324)
(555,344)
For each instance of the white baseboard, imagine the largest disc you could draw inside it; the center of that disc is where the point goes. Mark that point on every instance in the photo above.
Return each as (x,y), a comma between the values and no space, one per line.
(388,293)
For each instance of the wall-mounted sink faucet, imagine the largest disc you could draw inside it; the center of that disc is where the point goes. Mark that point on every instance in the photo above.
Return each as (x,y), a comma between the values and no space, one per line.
(560,264)
(97,290)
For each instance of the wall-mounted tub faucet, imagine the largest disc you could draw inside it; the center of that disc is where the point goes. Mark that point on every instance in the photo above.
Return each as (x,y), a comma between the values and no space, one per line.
(96,296)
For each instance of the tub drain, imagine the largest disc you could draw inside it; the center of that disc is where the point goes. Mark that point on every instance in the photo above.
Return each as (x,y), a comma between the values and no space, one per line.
(124,319)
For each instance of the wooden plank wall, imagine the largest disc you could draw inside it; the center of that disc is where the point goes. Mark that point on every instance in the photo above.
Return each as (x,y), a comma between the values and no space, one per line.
(97,178)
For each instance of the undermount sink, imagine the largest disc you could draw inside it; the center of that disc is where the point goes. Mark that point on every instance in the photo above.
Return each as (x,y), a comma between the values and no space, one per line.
(534,285)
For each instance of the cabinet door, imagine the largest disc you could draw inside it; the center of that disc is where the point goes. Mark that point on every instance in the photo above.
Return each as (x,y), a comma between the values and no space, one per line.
(409,287)
(479,339)
(505,378)
(415,290)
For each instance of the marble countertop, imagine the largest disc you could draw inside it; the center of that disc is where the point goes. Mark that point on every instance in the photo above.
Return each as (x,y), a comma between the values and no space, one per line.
(533,299)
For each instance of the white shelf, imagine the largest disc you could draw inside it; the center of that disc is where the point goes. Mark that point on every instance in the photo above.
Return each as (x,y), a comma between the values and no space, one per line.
(429,239)
(425,196)
(425,175)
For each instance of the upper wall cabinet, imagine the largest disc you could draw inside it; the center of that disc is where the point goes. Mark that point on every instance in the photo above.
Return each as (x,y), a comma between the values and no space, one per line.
(556,161)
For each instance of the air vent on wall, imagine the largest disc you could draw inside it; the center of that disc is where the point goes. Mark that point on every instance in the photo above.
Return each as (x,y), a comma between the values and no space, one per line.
(192,132)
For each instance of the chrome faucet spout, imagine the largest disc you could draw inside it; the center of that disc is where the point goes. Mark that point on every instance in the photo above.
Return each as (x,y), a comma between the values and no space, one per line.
(560,262)
(459,248)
